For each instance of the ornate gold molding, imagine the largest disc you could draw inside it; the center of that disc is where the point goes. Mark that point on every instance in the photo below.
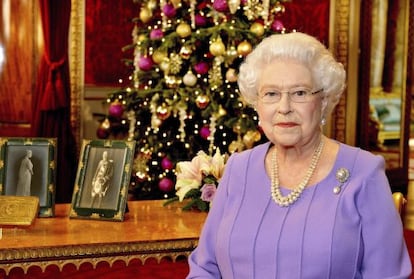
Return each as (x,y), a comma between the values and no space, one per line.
(341,36)
(94,254)
(76,64)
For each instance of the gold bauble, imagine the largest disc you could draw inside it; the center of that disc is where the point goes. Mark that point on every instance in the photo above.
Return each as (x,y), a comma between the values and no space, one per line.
(222,111)
(231,75)
(202,101)
(172,81)
(231,54)
(165,65)
(145,14)
(106,124)
(278,8)
(190,78)
(234,5)
(158,56)
(142,38)
(244,48)
(183,30)
(176,3)
(163,112)
(250,138)
(257,136)
(185,52)
(236,146)
(257,28)
(237,128)
(217,48)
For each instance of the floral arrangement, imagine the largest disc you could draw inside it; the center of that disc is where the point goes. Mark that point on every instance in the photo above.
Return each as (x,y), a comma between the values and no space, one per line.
(197,180)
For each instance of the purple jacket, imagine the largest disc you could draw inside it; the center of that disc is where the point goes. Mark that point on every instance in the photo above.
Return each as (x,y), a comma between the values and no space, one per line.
(354,234)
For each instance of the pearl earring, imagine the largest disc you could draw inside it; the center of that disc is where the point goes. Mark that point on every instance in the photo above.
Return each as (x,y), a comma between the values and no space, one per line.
(323,121)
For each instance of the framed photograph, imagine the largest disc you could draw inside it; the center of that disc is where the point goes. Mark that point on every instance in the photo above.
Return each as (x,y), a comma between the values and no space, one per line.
(102,180)
(28,168)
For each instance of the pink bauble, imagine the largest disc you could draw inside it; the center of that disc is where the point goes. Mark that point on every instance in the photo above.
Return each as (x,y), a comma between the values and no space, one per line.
(156,34)
(166,163)
(277,25)
(169,10)
(201,68)
(200,20)
(220,5)
(102,133)
(166,185)
(205,132)
(116,109)
(145,63)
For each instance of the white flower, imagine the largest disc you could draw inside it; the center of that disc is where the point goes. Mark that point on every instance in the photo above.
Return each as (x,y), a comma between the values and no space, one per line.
(217,165)
(190,174)
(184,185)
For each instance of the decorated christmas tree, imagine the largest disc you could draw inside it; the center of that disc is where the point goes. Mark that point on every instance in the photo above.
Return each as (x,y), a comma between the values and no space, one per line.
(183,97)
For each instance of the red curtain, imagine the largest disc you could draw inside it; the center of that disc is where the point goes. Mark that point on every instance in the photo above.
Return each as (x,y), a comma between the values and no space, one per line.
(51,112)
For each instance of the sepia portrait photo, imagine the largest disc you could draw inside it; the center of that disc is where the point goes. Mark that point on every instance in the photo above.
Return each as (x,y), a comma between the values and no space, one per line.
(102,179)
(28,169)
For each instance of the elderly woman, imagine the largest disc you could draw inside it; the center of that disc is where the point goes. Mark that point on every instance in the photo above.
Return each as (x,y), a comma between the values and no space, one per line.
(301,205)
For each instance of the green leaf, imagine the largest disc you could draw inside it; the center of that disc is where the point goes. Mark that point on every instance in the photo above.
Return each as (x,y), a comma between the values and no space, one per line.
(169,201)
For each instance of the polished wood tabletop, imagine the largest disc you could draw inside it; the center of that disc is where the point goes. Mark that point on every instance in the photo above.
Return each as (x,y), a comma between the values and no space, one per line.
(149,230)
(145,221)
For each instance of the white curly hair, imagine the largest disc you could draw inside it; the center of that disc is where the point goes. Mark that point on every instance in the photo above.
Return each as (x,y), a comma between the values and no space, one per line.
(327,73)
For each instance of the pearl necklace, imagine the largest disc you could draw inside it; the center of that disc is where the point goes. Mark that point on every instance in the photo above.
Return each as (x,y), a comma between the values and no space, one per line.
(296,192)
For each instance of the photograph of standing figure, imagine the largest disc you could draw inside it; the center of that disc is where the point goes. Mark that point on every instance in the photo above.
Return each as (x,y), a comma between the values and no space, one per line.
(28,168)
(101,180)
(24,181)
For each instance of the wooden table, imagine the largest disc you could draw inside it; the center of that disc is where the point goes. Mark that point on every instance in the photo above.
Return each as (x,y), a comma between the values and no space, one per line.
(150,230)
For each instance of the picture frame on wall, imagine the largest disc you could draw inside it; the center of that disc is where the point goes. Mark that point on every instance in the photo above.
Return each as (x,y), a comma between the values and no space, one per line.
(102,180)
(28,168)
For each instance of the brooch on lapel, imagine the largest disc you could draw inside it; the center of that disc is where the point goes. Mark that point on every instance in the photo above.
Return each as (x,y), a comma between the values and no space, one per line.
(342,175)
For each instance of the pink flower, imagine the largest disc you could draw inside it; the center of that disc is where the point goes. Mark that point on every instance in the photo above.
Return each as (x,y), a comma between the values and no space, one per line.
(208,191)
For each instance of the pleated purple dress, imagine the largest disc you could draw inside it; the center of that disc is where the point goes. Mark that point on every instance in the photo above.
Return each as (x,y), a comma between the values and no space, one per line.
(356,233)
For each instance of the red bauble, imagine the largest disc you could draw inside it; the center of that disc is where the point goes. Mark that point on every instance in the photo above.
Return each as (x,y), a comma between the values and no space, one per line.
(169,10)
(102,133)
(201,68)
(205,132)
(116,109)
(166,185)
(277,25)
(166,163)
(156,34)
(104,130)
(200,20)
(163,112)
(202,101)
(145,63)
(220,5)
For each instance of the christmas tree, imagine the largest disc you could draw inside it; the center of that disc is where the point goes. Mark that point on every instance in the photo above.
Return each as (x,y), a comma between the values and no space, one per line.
(183,95)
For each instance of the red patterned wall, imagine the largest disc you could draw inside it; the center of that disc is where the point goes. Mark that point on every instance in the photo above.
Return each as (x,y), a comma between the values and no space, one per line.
(308,16)
(108,29)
